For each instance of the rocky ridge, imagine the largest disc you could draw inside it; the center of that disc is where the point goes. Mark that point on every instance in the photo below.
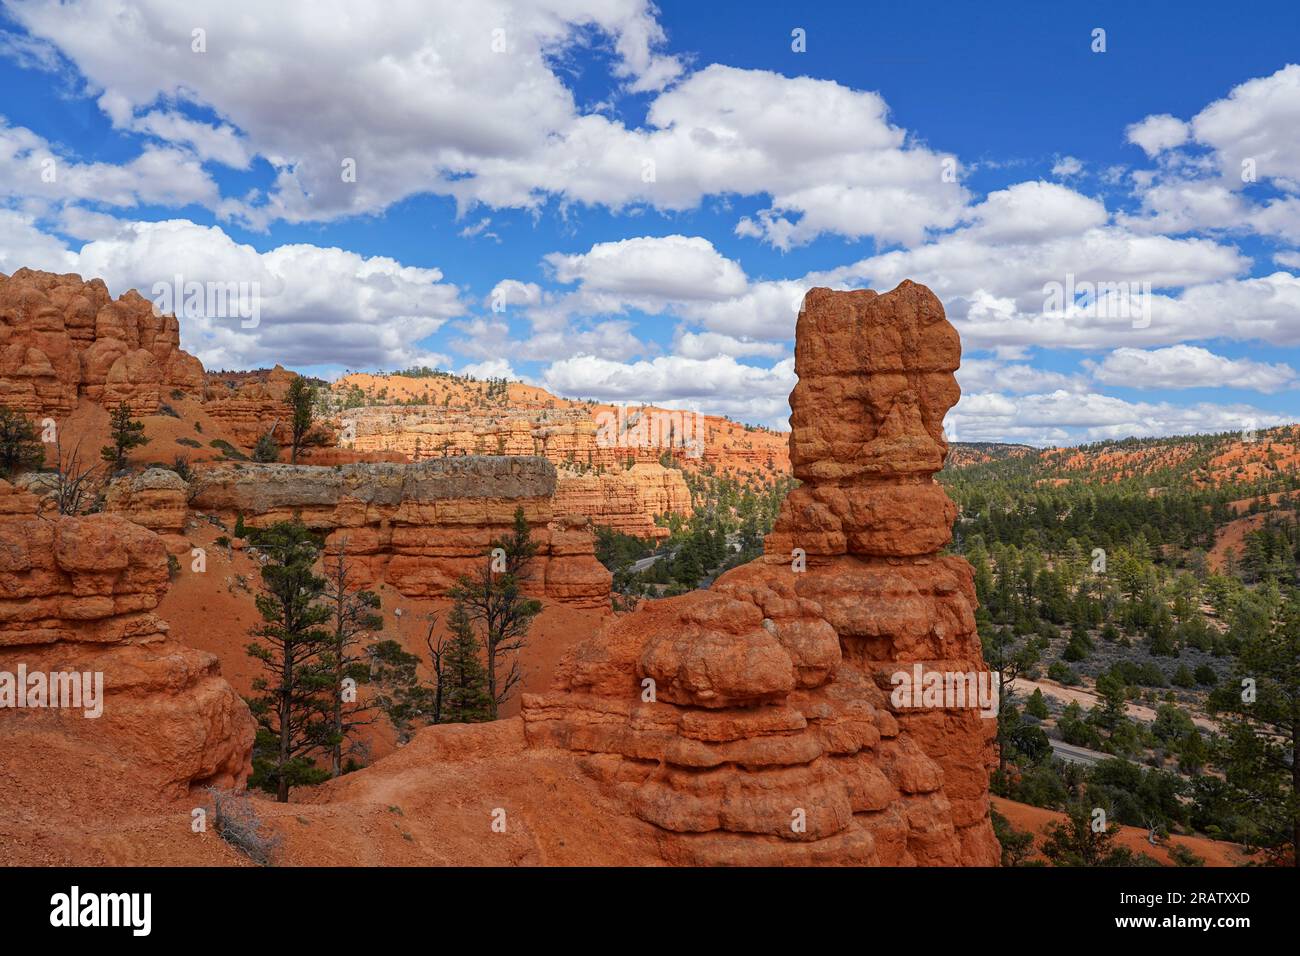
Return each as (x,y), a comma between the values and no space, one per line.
(575,435)
(417,527)
(626,501)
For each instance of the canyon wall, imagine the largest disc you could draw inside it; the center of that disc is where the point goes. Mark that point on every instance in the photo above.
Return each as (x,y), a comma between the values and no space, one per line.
(574,435)
(627,501)
(751,723)
(77,594)
(62,338)
(249,405)
(418,527)
(754,723)
(156,499)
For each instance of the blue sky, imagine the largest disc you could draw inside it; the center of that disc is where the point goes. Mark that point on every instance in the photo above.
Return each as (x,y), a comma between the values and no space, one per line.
(626,202)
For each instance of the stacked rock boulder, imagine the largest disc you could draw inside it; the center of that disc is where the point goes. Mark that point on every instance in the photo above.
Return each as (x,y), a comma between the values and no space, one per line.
(752,723)
(156,499)
(62,338)
(78,594)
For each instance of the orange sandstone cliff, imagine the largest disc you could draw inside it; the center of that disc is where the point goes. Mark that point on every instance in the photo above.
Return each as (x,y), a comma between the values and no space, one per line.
(752,723)
(417,527)
(627,501)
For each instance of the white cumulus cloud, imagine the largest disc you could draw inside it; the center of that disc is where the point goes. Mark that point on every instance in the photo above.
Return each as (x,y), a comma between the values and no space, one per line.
(1189,366)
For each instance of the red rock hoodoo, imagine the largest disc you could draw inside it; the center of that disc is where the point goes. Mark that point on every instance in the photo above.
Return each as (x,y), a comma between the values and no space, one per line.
(753,723)
(62,338)
(77,595)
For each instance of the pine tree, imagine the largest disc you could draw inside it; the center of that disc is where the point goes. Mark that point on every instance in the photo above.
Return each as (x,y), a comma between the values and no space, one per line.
(1077,842)
(267,449)
(1036,706)
(1017,845)
(20,444)
(466,698)
(1261,729)
(493,598)
(1192,753)
(1113,706)
(399,693)
(301,399)
(293,703)
(1008,660)
(125,433)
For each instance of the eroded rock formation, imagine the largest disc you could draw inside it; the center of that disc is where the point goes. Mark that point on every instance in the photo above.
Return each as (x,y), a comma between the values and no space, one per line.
(625,500)
(77,595)
(249,405)
(753,723)
(157,499)
(572,435)
(62,338)
(418,527)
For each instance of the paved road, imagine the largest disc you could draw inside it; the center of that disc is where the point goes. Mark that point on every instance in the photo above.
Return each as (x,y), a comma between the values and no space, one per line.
(1073,754)
(645,562)
(733,541)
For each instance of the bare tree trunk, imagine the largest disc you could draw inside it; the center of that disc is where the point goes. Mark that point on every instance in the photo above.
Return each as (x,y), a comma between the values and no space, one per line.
(490,636)
(286,694)
(336,749)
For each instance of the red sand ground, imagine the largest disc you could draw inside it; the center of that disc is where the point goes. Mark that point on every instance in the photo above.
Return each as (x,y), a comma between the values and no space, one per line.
(214,611)
(1232,536)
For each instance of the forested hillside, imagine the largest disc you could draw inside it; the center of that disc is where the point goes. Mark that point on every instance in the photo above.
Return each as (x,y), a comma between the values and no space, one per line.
(1141,600)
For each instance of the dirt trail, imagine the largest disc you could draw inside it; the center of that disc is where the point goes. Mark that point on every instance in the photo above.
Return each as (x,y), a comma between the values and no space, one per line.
(1022,816)
(1086,698)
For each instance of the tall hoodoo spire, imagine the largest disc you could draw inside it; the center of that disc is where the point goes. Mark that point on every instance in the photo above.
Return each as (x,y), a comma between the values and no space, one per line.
(753,722)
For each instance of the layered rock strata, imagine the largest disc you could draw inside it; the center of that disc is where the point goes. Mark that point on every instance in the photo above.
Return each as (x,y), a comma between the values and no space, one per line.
(418,527)
(626,500)
(248,405)
(571,435)
(156,499)
(754,722)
